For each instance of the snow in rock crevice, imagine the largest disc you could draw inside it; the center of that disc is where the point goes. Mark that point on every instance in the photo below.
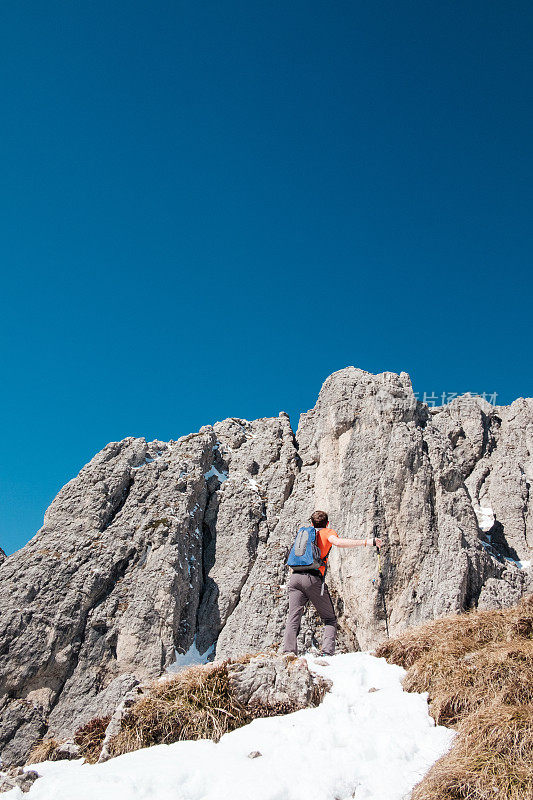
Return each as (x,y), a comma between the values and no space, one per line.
(519,564)
(222,476)
(485,517)
(192,656)
(356,745)
(149,460)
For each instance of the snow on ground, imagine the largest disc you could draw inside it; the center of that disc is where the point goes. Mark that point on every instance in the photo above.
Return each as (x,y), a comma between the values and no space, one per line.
(356,745)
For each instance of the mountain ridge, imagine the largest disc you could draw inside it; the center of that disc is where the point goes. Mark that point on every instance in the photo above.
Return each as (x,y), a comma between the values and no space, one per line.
(158,545)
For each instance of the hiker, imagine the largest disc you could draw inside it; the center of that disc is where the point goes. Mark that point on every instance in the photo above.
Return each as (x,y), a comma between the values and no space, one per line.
(309,584)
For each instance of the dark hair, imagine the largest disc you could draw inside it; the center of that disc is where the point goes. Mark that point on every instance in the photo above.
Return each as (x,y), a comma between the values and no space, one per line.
(319,519)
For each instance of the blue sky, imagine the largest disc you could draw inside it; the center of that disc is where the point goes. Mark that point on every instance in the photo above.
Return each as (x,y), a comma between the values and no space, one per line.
(206,208)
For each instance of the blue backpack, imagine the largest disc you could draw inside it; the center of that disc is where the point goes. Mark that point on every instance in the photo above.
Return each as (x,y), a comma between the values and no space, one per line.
(305,553)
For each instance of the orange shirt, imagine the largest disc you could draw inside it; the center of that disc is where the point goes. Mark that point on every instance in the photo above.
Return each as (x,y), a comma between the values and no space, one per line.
(322,540)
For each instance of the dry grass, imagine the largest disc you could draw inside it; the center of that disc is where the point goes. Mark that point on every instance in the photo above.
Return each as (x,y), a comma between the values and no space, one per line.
(90,738)
(492,759)
(497,673)
(461,633)
(197,703)
(43,750)
(468,661)
(478,671)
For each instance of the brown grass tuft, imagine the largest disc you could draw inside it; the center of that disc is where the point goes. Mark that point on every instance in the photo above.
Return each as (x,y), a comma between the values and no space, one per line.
(460,684)
(90,738)
(43,750)
(478,671)
(461,633)
(492,759)
(195,704)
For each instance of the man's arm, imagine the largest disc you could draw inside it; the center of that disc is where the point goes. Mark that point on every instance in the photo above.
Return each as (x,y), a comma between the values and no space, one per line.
(338,542)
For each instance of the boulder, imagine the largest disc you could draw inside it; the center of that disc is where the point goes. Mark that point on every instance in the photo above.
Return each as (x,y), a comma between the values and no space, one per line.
(18,778)
(275,684)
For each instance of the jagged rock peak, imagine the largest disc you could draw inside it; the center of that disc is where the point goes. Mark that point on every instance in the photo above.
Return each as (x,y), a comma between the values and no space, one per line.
(160,548)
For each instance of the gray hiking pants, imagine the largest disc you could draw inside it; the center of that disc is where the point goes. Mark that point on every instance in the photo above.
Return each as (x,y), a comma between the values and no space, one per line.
(304,587)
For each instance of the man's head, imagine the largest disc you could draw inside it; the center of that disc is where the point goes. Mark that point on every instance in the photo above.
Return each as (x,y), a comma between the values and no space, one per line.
(319,519)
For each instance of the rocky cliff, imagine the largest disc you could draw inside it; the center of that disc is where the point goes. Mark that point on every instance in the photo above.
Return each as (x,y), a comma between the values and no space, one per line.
(156,547)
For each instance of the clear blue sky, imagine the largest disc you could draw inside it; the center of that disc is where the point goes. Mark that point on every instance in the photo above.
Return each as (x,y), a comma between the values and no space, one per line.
(208,207)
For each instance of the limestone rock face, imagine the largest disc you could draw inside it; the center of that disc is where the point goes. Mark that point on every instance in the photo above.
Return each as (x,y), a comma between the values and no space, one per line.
(107,587)
(255,468)
(164,547)
(275,684)
(2,556)
(377,462)
(494,448)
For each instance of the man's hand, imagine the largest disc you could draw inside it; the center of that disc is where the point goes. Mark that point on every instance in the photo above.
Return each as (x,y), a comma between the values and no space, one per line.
(378,542)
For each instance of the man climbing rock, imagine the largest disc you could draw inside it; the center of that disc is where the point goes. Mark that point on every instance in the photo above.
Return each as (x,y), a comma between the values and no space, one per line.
(307,583)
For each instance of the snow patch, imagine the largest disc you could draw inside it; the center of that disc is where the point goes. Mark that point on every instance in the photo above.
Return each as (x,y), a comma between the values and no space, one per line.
(375,745)
(149,460)
(519,564)
(192,656)
(222,476)
(485,517)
